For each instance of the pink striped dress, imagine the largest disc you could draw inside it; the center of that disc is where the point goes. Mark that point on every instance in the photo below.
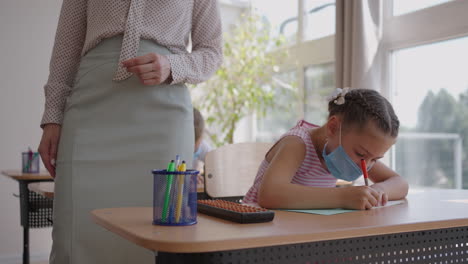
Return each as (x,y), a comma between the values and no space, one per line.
(310,173)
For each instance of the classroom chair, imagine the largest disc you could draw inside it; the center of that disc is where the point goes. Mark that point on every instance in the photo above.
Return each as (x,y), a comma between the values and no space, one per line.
(231,169)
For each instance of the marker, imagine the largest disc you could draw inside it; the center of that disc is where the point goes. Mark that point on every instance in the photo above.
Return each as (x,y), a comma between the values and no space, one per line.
(364,171)
(34,158)
(177,162)
(182,168)
(170,167)
(30,157)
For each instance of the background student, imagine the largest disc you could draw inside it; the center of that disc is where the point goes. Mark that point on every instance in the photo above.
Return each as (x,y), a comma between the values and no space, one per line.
(201,145)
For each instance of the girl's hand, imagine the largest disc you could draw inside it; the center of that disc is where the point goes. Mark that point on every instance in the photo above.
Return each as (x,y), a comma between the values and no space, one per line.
(152,68)
(49,145)
(383,197)
(359,197)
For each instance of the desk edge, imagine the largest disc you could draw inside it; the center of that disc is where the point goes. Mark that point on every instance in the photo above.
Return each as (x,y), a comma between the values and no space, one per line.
(235,244)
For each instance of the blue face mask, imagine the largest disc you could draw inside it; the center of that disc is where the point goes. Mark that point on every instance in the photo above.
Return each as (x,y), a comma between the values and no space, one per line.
(196,154)
(340,165)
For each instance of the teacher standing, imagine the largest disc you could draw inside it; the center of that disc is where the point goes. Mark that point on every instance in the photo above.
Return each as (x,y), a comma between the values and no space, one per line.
(116,107)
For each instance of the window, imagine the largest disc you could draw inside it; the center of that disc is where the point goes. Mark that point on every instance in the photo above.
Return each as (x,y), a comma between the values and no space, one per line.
(319,83)
(319,19)
(401,7)
(310,68)
(281,117)
(430,99)
(428,87)
(281,17)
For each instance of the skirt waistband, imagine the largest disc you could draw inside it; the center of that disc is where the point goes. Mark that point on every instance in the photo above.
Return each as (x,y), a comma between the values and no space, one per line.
(114,44)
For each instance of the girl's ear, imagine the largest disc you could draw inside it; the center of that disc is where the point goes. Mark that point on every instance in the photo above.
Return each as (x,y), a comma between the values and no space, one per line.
(333,126)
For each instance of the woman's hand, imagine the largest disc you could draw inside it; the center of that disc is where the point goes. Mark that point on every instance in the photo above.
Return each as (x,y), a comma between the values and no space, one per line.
(359,197)
(49,145)
(152,68)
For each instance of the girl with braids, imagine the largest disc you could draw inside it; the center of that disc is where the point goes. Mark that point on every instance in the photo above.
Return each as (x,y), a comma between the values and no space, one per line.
(300,170)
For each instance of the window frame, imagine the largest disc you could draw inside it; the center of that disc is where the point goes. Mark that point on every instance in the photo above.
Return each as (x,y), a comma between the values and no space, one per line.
(302,54)
(411,29)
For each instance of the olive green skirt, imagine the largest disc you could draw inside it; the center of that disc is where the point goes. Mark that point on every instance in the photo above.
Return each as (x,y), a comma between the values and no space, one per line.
(113,135)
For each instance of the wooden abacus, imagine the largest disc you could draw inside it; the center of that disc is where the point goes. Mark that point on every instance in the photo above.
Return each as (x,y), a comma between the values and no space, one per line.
(235,212)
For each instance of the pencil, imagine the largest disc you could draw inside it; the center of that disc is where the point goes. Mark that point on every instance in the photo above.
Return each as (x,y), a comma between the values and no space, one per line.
(29,162)
(181,168)
(364,171)
(177,162)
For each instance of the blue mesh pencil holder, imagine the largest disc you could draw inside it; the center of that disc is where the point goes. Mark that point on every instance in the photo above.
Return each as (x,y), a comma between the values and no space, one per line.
(175,197)
(30,162)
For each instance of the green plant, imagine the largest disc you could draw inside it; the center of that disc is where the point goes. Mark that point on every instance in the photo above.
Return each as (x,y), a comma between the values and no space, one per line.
(240,86)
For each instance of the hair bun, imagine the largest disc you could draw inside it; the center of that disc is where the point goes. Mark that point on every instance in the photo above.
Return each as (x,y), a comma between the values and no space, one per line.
(338,96)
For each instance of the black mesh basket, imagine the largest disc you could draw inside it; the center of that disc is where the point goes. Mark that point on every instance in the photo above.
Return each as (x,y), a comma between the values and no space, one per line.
(40,210)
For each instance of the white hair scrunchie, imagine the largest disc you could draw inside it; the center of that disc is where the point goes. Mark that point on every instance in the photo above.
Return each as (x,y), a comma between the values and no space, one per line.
(338,96)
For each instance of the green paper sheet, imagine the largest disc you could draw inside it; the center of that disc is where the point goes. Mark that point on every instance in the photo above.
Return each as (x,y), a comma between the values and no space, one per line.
(323,211)
(339,210)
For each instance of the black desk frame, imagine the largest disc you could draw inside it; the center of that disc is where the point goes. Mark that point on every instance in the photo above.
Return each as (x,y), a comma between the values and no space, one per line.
(449,245)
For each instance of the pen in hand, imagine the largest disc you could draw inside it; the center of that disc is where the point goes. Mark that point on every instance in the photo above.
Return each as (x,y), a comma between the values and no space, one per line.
(364,171)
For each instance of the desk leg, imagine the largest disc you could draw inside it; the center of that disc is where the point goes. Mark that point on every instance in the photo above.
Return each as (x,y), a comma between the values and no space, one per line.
(216,257)
(24,204)
(25,245)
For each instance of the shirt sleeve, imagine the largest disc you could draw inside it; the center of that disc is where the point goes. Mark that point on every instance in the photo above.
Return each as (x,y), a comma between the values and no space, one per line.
(66,56)
(206,55)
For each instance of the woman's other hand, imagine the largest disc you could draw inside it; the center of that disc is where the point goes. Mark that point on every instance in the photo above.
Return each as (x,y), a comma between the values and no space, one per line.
(49,145)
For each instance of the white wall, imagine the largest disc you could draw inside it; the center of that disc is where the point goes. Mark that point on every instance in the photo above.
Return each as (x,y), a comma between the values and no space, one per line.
(27,30)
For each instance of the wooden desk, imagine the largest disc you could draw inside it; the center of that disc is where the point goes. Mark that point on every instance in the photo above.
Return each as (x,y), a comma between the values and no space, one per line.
(431,225)
(200,189)
(35,210)
(46,189)
(20,176)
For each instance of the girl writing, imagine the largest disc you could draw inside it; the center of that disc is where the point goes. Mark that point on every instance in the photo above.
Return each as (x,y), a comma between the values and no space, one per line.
(300,170)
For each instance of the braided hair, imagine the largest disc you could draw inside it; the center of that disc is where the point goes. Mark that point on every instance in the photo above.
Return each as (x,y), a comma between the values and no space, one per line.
(362,105)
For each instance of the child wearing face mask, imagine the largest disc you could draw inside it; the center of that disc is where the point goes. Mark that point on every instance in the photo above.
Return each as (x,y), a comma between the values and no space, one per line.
(300,171)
